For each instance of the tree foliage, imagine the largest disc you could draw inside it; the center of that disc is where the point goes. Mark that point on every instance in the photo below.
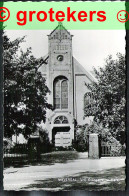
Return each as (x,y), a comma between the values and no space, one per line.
(25,90)
(81,140)
(109,96)
(46,145)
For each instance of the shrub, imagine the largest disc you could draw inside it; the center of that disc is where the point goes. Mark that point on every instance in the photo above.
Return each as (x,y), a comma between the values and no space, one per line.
(61,148)
(46,146)
(116,148)
(19,149)
(80,143)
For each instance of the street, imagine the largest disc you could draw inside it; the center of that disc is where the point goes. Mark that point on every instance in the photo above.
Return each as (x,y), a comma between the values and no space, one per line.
(74,173)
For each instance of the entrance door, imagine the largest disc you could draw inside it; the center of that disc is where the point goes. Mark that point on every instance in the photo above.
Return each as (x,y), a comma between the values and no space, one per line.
(61,136)
(62,139)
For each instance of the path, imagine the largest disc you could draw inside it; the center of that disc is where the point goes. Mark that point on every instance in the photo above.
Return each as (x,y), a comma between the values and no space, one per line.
(18,178)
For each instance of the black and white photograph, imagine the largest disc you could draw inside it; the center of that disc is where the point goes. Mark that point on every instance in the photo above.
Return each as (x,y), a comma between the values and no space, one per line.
(64,109)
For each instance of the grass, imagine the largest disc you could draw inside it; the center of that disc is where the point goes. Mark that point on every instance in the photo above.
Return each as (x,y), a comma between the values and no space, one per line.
(46,159)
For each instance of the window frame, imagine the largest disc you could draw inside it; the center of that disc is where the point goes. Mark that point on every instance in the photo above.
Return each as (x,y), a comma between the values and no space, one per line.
(89,94)
(61,80)
(58,118)
(91,104)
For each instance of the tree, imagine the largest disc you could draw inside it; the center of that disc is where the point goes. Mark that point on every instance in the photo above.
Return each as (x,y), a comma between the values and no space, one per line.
(25,90)
(80,143)
(109,96)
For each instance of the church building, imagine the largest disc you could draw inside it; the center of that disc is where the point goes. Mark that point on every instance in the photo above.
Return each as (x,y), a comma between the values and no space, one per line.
(66,79)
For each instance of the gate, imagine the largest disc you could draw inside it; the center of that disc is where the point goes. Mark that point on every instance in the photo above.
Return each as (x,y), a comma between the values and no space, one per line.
(105,149)
(108,150)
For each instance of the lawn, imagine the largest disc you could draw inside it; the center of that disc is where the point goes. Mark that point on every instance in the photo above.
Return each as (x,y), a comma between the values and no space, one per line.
(46,159)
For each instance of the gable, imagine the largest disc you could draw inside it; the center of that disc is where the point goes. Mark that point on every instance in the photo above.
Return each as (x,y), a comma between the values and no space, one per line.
(80,70)
(60,33)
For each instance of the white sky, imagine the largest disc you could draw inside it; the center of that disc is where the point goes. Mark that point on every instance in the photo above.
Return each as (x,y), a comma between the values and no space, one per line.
(90,47)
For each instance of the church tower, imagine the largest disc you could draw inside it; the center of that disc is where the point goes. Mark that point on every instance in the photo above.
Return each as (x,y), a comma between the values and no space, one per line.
(60,80)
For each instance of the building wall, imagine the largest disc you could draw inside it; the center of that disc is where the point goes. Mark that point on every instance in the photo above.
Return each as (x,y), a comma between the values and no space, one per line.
(80,90)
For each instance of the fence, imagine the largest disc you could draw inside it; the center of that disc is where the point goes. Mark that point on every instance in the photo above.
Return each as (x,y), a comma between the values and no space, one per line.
(15,155)
(111,150)
(18,150)
(22,153)
(105,150)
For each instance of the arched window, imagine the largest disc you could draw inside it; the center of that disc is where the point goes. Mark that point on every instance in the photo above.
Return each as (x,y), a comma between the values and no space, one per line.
(61,120)
(60,92)
(89,104)
(88,99)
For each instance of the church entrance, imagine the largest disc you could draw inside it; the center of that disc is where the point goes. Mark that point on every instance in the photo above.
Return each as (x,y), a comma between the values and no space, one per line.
(61,136)
(61,132)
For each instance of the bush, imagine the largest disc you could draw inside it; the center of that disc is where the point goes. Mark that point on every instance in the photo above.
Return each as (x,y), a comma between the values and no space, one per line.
(61,148)
(80,143)
(46,146)
(117,149)
(123,149)
(19,149)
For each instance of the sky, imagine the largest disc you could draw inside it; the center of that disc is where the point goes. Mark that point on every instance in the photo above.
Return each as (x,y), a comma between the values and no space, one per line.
(90,47)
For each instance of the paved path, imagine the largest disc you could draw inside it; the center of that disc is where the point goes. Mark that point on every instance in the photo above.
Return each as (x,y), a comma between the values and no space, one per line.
(18,178)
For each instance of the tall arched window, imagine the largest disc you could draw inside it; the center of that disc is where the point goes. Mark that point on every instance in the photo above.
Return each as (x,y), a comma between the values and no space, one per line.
(88,99)
(60,93)
(89,104)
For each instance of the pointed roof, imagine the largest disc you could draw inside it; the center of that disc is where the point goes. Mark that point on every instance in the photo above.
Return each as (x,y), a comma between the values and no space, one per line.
(60,27)
(79,69)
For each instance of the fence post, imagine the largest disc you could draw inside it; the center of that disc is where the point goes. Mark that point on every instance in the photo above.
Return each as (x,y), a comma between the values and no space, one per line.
(94,146)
